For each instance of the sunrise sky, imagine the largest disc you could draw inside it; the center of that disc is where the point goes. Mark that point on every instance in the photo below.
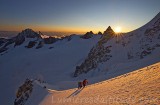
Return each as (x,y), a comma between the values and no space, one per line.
(76,15)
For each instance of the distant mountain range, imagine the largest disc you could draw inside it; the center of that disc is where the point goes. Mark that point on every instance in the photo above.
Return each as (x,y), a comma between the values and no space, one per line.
(9,34)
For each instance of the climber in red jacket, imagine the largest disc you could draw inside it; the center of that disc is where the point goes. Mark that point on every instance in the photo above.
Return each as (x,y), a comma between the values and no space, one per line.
(85,82)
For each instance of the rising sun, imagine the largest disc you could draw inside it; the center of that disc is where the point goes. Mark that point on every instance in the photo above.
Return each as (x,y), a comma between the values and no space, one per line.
(118,29)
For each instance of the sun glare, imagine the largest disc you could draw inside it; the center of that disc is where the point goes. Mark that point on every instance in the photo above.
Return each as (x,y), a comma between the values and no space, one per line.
(118,29)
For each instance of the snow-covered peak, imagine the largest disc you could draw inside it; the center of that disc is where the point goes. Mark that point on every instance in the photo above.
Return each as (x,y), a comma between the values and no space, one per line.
(29,33)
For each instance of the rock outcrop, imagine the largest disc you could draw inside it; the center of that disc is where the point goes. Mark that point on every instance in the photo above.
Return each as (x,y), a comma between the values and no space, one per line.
(31,44)
(88,35)
(154,29)
(100,33)
(107,35)
(50,40)
(97,54)
(27,33)
(24,92)
(2,40)
(40,44)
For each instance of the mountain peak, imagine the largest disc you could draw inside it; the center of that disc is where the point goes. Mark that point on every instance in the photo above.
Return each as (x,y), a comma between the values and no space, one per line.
(88,35)
(29,33)
(109,31)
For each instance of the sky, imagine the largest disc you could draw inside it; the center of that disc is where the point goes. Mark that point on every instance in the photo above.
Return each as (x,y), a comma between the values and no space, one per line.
(76,15)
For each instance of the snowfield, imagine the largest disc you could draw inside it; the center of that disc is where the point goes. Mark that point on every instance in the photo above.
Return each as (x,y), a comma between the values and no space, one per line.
(140,87)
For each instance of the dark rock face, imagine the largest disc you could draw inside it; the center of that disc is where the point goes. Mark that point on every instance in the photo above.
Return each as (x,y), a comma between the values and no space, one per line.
(3,49)
(88,35)
(50,40)
(109,31)
(69,38)
(31,44)
(24,92)
(19,39)
(9,41)
(154,29)
(5,44)
(40,44)
(100,33)
(51,47)
(2,40)
(27,33)
(97,54)
(107,35)
(144,53)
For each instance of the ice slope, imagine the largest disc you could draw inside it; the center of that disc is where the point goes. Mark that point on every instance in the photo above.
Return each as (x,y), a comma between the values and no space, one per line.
(140,87)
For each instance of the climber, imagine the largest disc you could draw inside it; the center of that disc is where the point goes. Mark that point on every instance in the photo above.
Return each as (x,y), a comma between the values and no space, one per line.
(85,82)
(80,85)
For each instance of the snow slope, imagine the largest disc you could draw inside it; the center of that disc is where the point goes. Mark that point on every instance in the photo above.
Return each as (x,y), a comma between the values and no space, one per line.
(140,87)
